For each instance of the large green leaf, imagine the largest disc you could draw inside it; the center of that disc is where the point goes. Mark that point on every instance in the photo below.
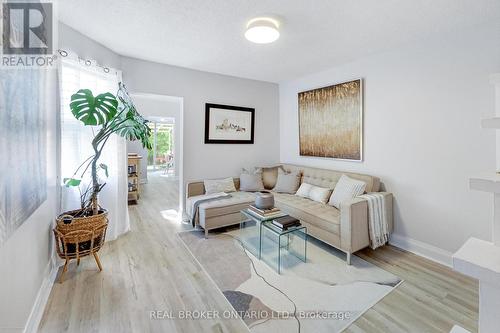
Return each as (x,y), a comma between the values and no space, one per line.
(71,182)
(135,128)
(93,110)
(130,124)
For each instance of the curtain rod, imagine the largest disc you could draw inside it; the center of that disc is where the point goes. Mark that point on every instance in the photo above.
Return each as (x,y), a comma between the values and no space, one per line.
(87,62)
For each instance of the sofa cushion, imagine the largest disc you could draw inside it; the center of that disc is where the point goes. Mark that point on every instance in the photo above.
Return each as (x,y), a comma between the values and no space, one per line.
(236,202)
(320,215)
(329,178)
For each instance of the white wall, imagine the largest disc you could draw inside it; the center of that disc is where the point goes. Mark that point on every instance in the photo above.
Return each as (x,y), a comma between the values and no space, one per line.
(25,258)
(422,136)
(197,88)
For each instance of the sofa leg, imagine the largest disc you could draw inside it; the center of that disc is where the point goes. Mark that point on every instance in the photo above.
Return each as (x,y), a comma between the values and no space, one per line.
(206,233)
(348,258)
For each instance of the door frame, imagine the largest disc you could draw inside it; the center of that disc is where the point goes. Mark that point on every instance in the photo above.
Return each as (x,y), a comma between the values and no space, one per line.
(179,126)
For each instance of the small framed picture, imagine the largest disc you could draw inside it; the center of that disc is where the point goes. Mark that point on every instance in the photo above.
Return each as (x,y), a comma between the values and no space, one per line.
(229,124)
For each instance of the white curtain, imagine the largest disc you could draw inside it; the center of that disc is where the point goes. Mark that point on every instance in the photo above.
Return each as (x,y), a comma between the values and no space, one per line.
(76,140)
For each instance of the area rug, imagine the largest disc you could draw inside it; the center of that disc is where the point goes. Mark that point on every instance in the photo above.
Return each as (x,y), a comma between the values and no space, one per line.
(321,295)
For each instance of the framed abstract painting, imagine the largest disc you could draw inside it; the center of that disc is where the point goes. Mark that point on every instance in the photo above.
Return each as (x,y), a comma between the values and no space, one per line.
(331,121)
(23,143)
(229,124)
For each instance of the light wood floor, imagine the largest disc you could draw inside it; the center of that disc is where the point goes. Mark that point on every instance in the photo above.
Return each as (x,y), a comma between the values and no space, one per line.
(148,269)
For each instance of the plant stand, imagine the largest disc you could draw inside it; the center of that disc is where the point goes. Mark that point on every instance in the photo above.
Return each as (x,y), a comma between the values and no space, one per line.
(83,236)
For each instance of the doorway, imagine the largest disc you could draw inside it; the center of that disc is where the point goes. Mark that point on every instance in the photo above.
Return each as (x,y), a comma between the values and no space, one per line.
(162,170)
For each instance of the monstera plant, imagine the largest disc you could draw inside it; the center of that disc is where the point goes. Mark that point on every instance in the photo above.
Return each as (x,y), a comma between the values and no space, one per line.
(112,115)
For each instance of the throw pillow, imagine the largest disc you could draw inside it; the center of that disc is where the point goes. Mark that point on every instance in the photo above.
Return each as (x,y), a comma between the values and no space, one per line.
(287,182)
(270,176)
(251,180)
(320,194)
(304,190)
(219,185)
(346,189)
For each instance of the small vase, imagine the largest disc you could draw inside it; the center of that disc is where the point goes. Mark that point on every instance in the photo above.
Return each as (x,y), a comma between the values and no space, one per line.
(264,200)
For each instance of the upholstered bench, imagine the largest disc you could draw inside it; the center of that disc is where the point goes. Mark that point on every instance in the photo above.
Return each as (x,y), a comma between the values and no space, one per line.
(222,212)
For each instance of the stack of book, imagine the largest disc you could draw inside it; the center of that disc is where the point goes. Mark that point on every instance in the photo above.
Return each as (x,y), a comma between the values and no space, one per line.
(264,213)
(286,222)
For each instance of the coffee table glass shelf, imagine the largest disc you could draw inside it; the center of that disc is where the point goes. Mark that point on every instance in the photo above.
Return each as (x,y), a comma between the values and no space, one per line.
(272,244)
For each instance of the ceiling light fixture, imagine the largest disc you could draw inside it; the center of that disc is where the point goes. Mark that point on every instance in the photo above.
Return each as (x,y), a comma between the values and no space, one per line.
(262,30)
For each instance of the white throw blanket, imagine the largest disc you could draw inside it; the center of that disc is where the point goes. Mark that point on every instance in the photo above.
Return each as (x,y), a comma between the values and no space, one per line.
(192,203)
(377,219)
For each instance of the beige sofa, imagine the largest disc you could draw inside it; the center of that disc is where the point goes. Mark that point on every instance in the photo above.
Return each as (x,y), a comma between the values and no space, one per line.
(345,229)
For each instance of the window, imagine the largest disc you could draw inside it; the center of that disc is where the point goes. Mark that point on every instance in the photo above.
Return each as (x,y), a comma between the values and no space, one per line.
(76,145)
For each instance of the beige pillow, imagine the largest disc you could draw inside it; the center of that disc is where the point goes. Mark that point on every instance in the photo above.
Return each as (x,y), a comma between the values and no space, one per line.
(251,180)
(219,185)
(320,194)
(287,182)
(270,176)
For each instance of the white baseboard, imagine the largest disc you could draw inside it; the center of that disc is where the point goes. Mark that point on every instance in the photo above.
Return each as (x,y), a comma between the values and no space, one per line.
(422,249)
(42,297)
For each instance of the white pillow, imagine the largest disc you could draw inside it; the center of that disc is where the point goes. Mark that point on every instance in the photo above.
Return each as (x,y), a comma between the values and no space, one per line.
(320,194)
(219,185)
(316,193)
(346,189)
(304,190)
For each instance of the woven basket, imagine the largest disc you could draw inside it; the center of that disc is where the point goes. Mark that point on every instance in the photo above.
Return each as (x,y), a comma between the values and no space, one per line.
(82,236)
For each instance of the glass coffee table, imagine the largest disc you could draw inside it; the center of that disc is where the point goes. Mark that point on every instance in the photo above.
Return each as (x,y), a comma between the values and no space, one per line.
(250,231)
(270,243)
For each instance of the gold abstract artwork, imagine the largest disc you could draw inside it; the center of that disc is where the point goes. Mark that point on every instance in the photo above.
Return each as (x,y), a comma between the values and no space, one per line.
(331,121)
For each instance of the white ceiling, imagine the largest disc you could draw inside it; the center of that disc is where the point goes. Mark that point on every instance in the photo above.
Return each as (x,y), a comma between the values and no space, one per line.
(315,34)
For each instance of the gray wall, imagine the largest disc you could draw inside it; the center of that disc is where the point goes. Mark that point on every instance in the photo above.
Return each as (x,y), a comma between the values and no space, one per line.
(201,160)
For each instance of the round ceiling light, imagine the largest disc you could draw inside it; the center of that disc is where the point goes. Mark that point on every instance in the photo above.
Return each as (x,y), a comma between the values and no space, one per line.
(262,30)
